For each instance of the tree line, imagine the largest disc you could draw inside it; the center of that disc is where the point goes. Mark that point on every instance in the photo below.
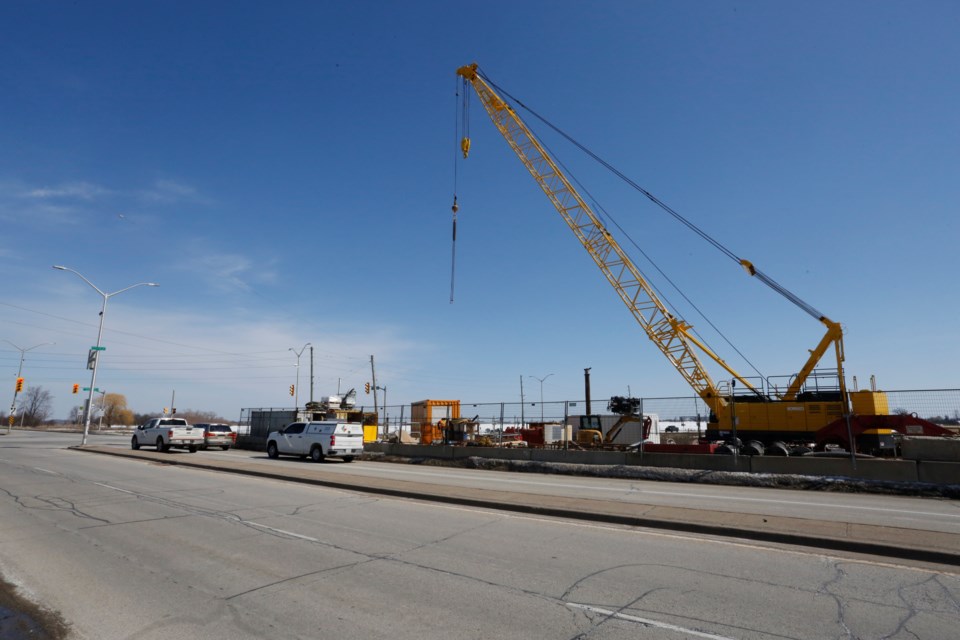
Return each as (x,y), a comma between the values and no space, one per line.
(35,408)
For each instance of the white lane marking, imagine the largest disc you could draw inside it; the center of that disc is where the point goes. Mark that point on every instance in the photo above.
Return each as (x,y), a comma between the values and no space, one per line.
(252,524)
(286,533)
(648,622)
(100,484)
(53,473)
(562,485)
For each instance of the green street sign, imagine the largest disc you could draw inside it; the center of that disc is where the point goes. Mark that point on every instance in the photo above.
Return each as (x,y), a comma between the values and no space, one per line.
(98,348)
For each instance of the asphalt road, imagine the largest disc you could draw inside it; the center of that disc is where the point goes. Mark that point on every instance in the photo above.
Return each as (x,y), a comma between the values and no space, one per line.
(916,513)
(134,549)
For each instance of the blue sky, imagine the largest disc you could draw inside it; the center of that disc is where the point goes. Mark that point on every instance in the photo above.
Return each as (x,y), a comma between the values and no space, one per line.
(284,171)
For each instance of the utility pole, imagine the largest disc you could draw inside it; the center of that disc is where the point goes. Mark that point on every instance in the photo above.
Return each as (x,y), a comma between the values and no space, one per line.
(173,402)
(373,374)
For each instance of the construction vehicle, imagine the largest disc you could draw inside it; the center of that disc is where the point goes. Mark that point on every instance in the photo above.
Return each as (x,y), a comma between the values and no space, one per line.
(590,434)
(812,406)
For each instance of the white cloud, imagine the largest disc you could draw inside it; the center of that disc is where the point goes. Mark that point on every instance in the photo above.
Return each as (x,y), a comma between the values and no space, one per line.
(171,191)
(219,362)
(69,190)
(224,271)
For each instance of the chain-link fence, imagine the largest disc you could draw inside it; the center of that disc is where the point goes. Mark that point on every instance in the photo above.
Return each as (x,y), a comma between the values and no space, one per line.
(941,406)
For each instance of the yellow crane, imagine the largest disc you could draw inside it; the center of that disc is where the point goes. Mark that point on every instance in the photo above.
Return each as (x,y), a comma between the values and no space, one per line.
(772,418)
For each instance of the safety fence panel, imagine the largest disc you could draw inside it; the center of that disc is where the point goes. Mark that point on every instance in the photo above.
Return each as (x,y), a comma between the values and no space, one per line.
(941,406)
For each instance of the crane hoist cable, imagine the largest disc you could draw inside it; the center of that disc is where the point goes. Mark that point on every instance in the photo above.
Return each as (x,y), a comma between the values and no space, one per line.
(460,119)
(746,264)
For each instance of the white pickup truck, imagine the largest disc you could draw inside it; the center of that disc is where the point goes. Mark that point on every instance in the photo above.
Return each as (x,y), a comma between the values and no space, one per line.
(166,434)
(318,440)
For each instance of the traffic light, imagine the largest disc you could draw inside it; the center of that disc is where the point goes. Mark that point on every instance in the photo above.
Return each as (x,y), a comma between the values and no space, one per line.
(19,385)
(76,388)
(366,387)
(291,389)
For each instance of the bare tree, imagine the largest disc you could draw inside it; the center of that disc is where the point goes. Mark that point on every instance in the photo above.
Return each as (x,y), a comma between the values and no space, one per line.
(37,406)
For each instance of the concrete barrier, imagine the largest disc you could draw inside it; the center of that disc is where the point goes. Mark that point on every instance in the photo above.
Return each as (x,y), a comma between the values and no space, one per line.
(927,448)
(867,469)
(689,461)
(938,472)
(508,453)
(579,457)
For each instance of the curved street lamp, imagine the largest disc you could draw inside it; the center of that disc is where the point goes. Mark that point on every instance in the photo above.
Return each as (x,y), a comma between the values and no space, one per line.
(16,392)
(296,389)
(97,349)
(541,392)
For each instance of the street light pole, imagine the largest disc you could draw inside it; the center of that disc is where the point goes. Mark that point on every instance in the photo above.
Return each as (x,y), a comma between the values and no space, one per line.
(311,374)
(96,358)
(296,388)
(541,393)
(16,392)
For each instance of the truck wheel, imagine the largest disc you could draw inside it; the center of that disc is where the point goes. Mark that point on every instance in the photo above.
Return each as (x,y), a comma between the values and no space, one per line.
(272,450)
(225,447)
(160,445)
(316,454)
(348,458)
(752,448)
(777,449)
(134,444)
(192,449)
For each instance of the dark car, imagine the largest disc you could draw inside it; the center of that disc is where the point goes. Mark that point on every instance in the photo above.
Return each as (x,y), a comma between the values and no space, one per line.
(217,435)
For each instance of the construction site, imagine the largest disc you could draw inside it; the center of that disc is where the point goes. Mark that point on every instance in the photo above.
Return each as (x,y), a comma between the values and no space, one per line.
(814,412)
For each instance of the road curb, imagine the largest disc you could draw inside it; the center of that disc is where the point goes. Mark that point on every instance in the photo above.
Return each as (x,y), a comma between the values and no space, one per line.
(890,542)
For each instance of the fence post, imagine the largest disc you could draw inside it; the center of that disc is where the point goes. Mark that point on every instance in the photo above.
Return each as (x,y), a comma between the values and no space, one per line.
(500,430)
(641,432)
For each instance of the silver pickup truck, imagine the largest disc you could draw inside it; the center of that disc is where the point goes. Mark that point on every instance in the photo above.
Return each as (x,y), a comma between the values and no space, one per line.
(166,434)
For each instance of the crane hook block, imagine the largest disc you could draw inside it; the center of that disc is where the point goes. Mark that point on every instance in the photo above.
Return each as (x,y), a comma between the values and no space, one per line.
(465,147)
(455,206)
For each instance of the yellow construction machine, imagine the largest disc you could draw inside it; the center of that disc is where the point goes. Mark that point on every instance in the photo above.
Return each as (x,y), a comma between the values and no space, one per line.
(812,406)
